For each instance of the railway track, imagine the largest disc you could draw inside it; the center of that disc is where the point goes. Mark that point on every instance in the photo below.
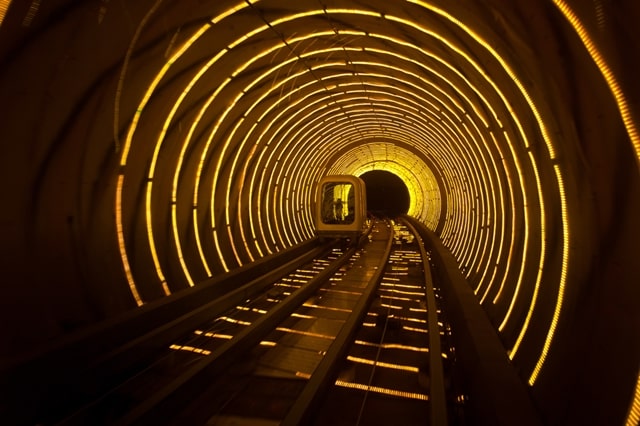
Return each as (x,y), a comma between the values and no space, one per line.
(394,370)
(352,336)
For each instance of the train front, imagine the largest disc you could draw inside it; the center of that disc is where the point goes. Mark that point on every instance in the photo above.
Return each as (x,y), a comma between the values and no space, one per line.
(341,207)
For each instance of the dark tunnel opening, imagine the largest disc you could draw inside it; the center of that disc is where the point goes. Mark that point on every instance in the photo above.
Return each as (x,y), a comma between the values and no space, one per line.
(387,194)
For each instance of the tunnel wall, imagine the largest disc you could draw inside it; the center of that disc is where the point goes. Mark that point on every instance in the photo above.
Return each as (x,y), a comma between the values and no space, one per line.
(74,79)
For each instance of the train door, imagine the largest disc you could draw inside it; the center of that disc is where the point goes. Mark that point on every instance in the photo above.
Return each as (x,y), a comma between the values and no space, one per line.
(338,203)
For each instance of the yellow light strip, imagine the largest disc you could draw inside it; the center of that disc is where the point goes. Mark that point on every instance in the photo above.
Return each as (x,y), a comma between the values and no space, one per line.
(152,246)
(633,416)
(415,329)
(216,243)
(122,244)
(381,390)
(152,87)
(512,233)
(306,333)
(125,68)
(499,216)
(244,308)
(240,210)
(233,320)
(392,346)
(328,308)
(487,206)
(176,238)
(563,279)
(230,11)
(287,205)
(124,158)
(183,150)
(213,335)
(194,213)
(541,127)
(367,361)
(190,349)
(4,6)
(607,73)
(534,297)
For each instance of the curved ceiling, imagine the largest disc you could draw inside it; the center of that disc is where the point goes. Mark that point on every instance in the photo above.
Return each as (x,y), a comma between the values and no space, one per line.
(253,102)
(211,123)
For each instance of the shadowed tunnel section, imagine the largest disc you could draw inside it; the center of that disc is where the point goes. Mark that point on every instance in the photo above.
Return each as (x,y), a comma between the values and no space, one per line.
(150,145)
(387,195)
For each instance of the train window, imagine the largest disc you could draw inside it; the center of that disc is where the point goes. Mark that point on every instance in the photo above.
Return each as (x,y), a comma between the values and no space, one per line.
(338,203)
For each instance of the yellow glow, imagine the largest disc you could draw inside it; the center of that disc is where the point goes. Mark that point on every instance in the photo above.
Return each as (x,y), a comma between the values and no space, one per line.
(381,390)
(500,215)
(240,210)
(566,233)
(450,68)
(190,349)
(287,206)
(633,416)
(4,6)
(194,213)
(420,130)
(415,329)
(244,308)
(176,237)
(367,361)
(306,333)
(230,11)
(214,335)
(328,308)
(123,162)
(394,161)
(623,106)
(233,320)
(536,289)
(270,183)
(513,223)
(219,250)
(434,86)
(122,245)
(393,346)
(273,151)
(152,87)
(543,131)
(183,150)
(152,246)
(246,37)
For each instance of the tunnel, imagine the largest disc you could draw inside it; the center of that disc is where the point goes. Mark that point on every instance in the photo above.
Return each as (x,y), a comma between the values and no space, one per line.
(148,146)
(387,195)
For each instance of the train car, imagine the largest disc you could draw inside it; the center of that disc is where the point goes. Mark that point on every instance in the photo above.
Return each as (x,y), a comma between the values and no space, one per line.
(341,207)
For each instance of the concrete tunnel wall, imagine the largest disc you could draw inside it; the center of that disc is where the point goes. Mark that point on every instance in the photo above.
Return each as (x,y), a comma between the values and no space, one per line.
(149,145)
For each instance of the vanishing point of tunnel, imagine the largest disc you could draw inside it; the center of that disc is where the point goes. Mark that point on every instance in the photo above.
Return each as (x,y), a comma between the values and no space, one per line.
(387,195)
(149,146)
